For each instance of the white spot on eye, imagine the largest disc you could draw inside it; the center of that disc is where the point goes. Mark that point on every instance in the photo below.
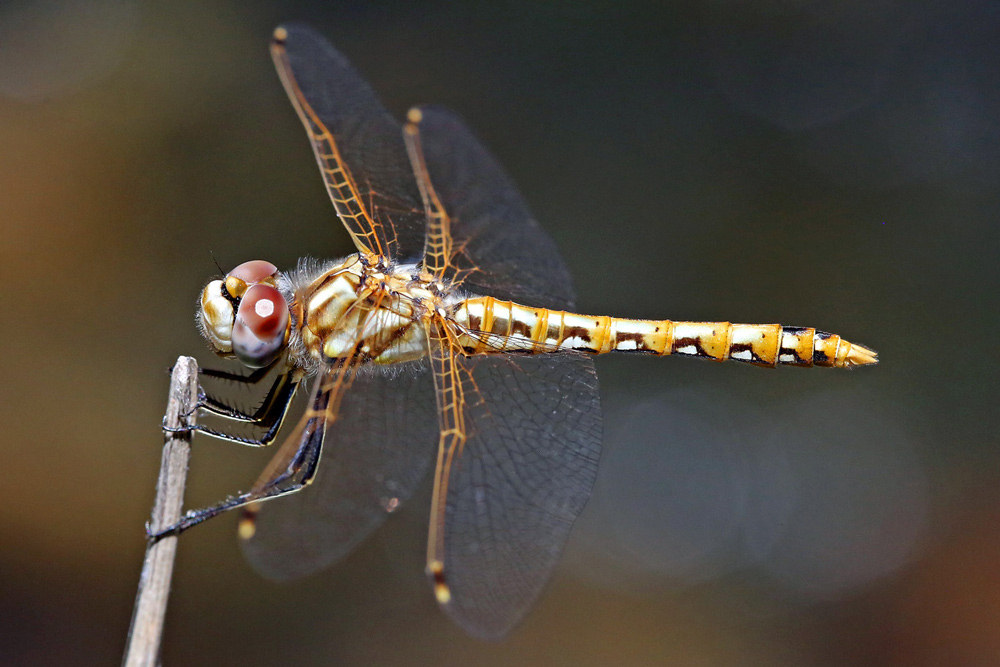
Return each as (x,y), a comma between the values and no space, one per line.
(743,355)
(264,308)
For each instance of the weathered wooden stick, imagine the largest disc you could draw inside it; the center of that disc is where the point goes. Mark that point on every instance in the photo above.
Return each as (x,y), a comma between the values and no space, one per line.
(150,609)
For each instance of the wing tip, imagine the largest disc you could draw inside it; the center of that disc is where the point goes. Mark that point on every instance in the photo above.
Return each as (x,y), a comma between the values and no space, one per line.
(435,569)
(247,526)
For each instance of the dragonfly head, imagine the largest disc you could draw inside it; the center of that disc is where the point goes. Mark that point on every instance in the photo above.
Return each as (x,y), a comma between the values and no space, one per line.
(244,315)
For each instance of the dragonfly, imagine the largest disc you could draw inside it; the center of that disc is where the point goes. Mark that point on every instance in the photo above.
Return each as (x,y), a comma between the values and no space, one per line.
(448,337)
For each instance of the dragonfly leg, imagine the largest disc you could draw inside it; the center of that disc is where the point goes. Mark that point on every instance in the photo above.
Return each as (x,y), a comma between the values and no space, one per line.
(274,403)
(289,481)
(293,471)
(270,415)
(252,378)
(214,406)
(263,441)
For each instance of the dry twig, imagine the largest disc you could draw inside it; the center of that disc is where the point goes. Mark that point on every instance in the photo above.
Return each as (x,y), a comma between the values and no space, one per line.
(154,583)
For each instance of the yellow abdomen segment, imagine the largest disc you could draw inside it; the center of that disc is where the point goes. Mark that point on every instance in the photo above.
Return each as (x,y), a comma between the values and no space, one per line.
(512,327)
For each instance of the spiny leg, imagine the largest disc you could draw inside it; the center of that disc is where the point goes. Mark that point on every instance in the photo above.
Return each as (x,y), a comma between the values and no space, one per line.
(327,394)
(272,401)
(218,407)
(252,378)
(294,479)
(293,467)
(270,415)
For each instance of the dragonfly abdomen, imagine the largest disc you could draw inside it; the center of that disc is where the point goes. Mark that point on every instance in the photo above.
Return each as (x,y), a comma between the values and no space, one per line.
(511,327)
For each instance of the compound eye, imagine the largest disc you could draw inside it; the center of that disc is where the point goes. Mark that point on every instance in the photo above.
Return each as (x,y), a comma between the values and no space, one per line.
(261,328)
(250,273)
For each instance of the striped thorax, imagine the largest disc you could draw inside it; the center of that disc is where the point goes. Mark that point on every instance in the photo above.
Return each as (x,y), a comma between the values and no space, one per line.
(359,304)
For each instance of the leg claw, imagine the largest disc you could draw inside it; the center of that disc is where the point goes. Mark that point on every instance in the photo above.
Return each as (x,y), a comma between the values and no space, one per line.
(185,428)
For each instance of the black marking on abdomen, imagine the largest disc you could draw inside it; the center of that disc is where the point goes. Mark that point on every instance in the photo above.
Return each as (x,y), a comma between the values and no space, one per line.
(799,333)
(680,343)
(638,338)
(519,327)
(819,354)
(576,332)
(734,348)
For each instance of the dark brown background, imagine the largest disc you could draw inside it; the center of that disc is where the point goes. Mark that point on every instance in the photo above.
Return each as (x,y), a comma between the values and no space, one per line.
(825,164)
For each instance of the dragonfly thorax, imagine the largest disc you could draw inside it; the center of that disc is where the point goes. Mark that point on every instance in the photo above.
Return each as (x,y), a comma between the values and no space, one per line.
(356,307)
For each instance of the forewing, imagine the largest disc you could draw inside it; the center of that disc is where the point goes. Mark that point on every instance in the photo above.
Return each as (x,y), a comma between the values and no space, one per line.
(376,453)
(526,470)
(498,249)
(358,145)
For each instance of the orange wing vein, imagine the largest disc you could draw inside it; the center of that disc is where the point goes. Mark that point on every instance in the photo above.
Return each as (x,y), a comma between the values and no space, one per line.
(451,410)
(340,183)
(438,244)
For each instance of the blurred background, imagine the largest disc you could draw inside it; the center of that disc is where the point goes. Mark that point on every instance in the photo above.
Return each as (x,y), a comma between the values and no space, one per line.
(810,163)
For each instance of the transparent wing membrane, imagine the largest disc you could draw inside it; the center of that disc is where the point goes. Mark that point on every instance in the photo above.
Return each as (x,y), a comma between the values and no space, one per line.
(376,454)
(509,488)
(358,145)
(498,249)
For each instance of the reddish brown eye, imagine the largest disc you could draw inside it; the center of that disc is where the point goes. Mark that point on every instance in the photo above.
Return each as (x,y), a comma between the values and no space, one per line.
(260,327)
(254,271)
(250,273)
(263,309)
